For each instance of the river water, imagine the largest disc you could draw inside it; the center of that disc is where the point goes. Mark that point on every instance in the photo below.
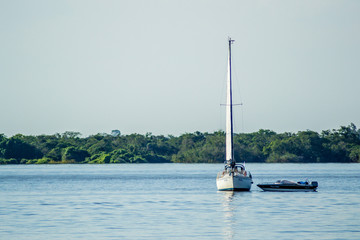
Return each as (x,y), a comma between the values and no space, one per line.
(175,201)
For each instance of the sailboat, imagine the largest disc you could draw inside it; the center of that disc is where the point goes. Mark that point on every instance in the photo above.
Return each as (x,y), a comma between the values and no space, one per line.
(234,177)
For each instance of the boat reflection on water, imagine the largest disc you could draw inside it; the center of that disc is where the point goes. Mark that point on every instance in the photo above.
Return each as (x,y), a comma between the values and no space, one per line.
(235,214)
(229,215)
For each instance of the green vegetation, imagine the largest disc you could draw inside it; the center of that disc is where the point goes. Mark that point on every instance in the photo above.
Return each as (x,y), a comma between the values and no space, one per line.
(341,145)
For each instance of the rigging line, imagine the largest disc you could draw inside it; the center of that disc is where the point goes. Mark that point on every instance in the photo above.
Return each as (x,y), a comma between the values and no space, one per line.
(237,87)
(242,119)
(222,94)
(237,80)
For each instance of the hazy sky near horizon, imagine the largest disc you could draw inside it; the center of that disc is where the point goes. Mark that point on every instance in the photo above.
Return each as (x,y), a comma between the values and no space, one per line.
(160,65)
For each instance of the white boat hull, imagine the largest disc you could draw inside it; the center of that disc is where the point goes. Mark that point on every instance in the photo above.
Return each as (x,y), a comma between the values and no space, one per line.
(238,182)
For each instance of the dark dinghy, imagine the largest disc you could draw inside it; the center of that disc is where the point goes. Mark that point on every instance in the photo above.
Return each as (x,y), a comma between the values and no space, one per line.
(289,186)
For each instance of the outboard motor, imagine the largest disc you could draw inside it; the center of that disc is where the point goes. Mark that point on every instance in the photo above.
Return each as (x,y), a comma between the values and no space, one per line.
(315,184)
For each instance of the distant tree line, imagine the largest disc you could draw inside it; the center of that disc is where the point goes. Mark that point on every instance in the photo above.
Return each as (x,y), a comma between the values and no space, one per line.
(337,145)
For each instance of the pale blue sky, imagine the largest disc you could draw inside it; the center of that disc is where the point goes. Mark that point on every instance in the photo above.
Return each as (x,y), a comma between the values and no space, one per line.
(160,66)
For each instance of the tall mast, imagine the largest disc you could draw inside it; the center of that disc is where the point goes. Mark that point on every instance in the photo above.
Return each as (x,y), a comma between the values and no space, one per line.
(229,113)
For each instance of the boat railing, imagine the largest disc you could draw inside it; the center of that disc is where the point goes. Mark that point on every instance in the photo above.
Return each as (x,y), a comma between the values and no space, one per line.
(235,172)
(221,174)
